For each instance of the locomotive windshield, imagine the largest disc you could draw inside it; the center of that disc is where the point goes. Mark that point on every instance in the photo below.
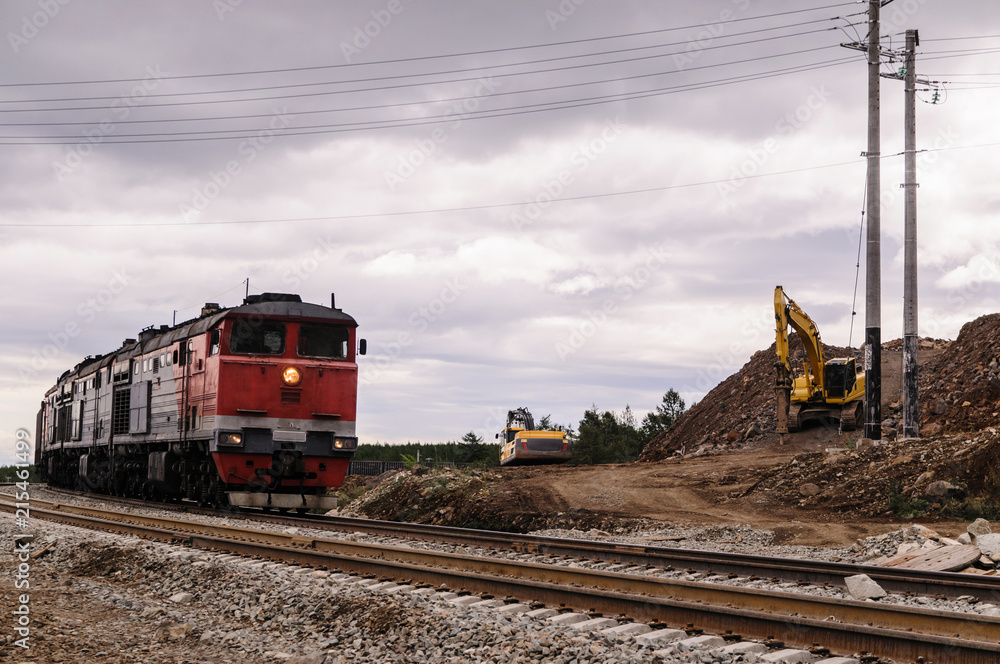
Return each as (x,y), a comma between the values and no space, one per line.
(320,340)
(255,337)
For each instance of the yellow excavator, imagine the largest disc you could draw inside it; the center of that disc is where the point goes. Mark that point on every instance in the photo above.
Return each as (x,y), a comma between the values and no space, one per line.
(833,389)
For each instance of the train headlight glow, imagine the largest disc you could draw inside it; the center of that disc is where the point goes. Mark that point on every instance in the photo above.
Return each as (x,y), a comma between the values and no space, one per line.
(230,439)
(291,376)
(346,443)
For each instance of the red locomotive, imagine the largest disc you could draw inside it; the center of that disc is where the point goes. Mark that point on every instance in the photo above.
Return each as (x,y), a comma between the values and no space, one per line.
(253,405)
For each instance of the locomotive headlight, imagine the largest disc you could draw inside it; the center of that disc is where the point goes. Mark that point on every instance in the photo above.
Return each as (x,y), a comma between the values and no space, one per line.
(345,443)
(291,376)
(230,439)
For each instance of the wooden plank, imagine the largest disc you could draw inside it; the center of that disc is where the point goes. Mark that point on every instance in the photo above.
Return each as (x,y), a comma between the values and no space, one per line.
(941,559)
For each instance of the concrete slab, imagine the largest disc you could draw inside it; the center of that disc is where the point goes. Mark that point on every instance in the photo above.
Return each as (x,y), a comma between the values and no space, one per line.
(367,582)
(466,600)
(422,592)
(661,636)
(384,585)
(628,629)
(542,614)
(703,642)
(399,590)
(595,624)
(744,647)
(446,596)
(513,609)
(486,604)
(789,656)
(568,618)
(839,660)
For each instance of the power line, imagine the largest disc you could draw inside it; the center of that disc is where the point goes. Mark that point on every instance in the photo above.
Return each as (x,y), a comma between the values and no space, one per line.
(420,75)
(389,124)
(437,210)
(439,56)
(470,208)
(417,84)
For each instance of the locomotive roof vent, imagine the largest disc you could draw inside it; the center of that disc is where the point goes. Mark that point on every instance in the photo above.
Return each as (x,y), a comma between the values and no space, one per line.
(272,297)
(147,333)
(128,342)
(210,308)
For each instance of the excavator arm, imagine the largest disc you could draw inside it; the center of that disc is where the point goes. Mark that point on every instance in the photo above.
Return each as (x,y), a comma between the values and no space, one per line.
(787,313)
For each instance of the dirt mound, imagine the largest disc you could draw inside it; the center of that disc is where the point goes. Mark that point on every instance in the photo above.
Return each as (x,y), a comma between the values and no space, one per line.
(894,478)
(960,391)
(737,410)
(492,500)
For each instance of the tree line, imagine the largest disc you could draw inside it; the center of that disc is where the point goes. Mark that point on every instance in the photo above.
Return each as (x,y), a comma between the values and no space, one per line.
(601,437)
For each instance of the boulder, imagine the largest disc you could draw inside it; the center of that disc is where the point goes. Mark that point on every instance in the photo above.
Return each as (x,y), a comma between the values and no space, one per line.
(809,489)
(931,429)
(171,631)
(943,489)
(989,544)
(182,598)
(979,527)
(862,587)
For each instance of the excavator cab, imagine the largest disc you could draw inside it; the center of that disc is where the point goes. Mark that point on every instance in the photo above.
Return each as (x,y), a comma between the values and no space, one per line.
(840,377)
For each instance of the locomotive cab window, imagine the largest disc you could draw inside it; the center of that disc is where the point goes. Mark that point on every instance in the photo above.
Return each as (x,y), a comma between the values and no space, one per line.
(214,342)
(321,340)
(251,337)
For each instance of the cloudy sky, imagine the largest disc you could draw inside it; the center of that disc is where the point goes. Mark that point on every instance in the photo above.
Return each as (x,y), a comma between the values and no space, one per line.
(549,204)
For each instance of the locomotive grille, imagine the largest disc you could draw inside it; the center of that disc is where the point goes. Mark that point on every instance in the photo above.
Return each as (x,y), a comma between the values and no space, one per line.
(120,411)
(291,396)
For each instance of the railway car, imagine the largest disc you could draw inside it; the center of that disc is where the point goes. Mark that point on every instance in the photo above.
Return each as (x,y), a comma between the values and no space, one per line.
(522,444)
(253,405)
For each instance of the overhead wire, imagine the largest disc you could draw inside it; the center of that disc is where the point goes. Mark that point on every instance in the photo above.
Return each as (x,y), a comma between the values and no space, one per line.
(403,213)
(441,56)
(479,69)
(384,124)
(468,208)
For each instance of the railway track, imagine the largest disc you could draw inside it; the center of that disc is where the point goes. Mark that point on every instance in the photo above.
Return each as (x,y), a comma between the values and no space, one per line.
(846,626)
(801,572)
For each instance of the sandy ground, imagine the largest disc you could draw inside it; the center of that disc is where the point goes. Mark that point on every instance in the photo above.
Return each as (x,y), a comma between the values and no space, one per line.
(697,491)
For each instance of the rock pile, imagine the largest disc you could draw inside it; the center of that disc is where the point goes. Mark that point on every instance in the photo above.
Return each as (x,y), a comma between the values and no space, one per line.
(918,539)
(901,478)
(741,408)
(960,389)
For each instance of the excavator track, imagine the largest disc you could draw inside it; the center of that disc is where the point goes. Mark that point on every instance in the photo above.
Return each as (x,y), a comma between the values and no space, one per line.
(849,414)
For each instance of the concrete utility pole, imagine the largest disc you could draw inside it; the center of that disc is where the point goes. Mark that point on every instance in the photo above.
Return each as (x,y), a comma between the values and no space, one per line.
(873,274)
(911,404)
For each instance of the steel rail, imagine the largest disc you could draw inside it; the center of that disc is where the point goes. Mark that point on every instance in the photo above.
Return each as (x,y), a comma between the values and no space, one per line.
(892,579)
(841,625)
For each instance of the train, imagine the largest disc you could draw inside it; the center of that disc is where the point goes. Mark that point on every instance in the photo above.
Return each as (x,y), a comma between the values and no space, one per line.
(522,444)
(249,406)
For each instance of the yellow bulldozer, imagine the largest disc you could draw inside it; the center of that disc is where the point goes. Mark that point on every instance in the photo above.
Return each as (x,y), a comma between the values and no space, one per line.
(832,389)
